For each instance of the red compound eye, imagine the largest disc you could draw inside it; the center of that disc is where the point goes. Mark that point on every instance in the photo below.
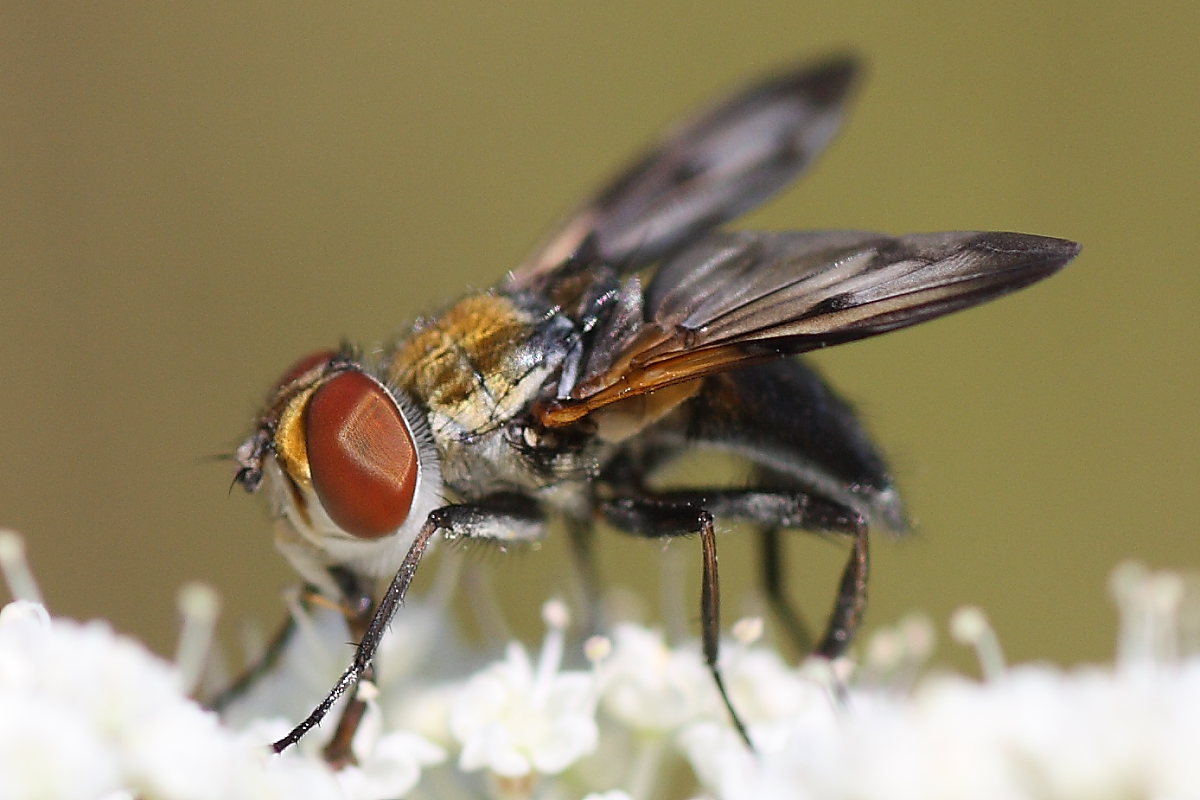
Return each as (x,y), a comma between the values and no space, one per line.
(310,361)
(361,454)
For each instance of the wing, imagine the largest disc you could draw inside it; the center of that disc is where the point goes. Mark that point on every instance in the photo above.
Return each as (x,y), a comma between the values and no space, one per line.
(746,297)
(714,167)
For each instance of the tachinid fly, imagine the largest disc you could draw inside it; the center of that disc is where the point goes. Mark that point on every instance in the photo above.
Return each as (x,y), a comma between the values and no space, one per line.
(634,334)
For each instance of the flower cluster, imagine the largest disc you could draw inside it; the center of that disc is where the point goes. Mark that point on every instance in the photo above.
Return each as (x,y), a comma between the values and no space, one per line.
(86,713)
(624,717)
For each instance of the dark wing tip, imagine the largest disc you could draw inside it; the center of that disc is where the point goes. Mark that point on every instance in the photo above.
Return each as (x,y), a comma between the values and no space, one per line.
(826,82)
(1040,256)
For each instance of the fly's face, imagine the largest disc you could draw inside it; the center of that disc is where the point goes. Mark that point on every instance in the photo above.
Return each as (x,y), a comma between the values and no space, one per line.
(343,458)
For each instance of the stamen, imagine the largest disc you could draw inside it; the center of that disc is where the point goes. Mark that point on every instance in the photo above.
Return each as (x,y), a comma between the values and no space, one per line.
(748,630)
(895,655)
(970,626)
(1189,618)
(919,637)
(885,651)
(555,614)
(316,651)
(1164,596)
(824,673)
(253,641)
(646,767)
(1124,586)
(672,592)
(842,669)
(557,617)
(15,568)
(597,648)
(1152,608)
(367,691)
(199,605)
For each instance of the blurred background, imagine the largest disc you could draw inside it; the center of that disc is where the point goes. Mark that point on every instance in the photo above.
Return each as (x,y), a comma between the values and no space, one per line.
(193,196)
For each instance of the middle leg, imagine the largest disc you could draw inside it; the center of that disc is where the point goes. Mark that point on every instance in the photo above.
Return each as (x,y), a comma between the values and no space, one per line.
(775,509)
(657,518)
(675,513)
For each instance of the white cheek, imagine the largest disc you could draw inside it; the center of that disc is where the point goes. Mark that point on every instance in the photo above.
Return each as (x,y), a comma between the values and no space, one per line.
(311,524)
(374,558)
(381,558)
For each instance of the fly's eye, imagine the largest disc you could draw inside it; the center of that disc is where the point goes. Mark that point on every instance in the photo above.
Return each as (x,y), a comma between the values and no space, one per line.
(361,455)
(305,365)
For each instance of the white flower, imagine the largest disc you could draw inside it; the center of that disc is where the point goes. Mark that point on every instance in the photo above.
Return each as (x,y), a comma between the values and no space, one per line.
(417,647)
(767,691)
(32,754)
(87,713)
(515,717)
(653,688)
(391,767)
(307,668)
(1026,732)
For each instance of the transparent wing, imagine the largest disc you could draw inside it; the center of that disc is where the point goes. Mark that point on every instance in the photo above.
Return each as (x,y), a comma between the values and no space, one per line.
(710,169)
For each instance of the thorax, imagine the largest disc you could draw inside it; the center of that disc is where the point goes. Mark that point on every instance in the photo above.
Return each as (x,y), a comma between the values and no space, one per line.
(476,369)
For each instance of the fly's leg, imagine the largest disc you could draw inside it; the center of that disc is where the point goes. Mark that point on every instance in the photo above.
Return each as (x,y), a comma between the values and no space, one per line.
(499,518)
(680,513)
(655,518)
(263,665)
(355,601)
(785,611)
(581,535)
(851,600)
(358,607)
(789,508)
(848,609)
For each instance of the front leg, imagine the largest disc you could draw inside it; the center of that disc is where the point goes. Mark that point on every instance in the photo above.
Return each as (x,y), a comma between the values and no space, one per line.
(358,608)
(498,518)
(355,603)
(264,664)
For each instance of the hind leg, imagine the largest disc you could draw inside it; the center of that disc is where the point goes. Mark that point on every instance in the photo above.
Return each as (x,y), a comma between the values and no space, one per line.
(771,563)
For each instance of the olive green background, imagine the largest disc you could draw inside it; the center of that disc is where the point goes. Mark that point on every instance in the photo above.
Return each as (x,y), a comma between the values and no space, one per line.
(194,195)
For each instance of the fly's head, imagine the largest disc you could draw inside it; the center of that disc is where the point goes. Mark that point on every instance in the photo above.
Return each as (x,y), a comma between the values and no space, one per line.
(347,462)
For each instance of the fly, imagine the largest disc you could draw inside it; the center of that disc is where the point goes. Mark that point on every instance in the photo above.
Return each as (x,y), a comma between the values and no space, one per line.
(635,334)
